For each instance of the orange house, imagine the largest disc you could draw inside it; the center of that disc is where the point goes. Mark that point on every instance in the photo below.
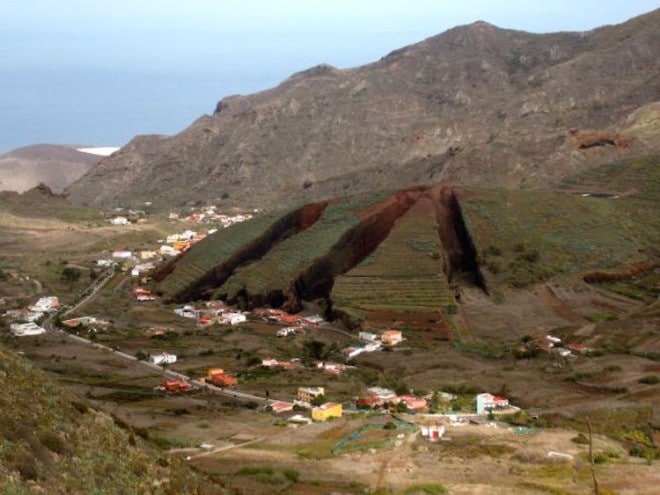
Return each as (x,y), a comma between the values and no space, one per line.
(220,378)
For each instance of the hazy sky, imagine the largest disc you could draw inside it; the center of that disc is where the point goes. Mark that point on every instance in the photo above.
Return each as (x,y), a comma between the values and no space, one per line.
(101,71)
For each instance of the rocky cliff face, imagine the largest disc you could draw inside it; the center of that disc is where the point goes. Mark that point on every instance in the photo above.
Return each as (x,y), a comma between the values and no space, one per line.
(476,105)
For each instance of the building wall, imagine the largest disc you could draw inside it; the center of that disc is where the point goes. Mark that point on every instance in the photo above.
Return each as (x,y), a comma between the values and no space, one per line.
(324,413)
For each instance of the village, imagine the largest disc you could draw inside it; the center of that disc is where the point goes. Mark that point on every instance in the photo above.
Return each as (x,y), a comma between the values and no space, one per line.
(299,371)
(208,379)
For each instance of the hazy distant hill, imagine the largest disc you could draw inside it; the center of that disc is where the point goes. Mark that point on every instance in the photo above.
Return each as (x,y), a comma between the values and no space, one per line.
(476,105)
(55,166)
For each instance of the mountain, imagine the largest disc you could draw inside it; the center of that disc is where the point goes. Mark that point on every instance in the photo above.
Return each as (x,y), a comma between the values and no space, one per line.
(403,254)
(52,165)
(475,105)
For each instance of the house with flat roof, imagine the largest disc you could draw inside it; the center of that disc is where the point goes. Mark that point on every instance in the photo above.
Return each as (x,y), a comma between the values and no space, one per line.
(488,403)
(327,411)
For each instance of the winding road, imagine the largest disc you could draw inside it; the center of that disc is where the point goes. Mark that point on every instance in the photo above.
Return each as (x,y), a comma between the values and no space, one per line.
(93,291)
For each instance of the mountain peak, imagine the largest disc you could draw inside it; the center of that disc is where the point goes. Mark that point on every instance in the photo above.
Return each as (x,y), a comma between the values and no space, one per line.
(475,106)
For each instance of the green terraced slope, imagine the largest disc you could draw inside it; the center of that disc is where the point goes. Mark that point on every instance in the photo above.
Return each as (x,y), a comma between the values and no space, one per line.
(638,176)
(405,273)
(214,259)
(529,236)
(273,277)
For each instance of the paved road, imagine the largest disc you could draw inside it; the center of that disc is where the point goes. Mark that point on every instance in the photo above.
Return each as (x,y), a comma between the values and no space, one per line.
(94,289)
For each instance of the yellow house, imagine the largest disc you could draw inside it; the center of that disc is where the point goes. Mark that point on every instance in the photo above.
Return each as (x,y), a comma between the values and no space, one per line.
(327,410)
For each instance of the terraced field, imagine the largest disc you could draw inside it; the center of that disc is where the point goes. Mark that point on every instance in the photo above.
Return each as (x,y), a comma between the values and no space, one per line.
(639,176)
(405,274)
(529,236)
(209,258)
(327,242)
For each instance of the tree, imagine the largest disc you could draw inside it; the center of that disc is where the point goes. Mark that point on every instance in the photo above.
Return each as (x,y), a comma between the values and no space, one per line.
(402,389)
(319,400)
(434,406)
(315,349)
(70,275)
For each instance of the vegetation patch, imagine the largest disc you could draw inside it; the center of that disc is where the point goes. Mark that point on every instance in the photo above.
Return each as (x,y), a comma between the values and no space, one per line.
(531,236)
(404,274)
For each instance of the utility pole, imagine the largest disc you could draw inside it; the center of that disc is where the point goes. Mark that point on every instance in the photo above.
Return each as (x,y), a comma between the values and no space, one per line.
(591,457)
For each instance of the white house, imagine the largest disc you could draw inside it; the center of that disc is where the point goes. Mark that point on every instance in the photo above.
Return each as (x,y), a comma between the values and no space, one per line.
(433,432)
(23,315)
(286,331)
(372,347)
(166,250)
(104,263)
(186,311)
(232,318)
(46,305)
(163,358)
(26,329)
(487,402)
(141,268)
(119,221)
(368,336)
(122,254)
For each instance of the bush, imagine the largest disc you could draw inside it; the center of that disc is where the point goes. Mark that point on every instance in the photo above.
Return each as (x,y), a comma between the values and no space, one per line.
(494,250)
(580,439)
(532,256)
(650,379)
(494,266)
(291,474)
(426,489)
(53,442)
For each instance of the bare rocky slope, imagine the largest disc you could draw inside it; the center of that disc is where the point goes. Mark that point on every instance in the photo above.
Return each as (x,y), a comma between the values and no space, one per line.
(476,105)
(52,165)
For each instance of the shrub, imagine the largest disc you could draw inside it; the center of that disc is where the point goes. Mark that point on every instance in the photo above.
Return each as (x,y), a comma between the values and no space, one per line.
(532,256)
(53,442)
(650,379)
(494,250)
(580,439)
(493,266)
(291,474)
(426,489)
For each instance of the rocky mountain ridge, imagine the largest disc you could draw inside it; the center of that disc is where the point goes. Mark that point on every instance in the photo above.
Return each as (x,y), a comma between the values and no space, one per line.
(476,105)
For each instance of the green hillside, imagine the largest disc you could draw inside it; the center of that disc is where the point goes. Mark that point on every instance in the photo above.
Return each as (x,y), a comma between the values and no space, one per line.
(528,236)
(405,273)
(203,258)
(53,442)
(285,262)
